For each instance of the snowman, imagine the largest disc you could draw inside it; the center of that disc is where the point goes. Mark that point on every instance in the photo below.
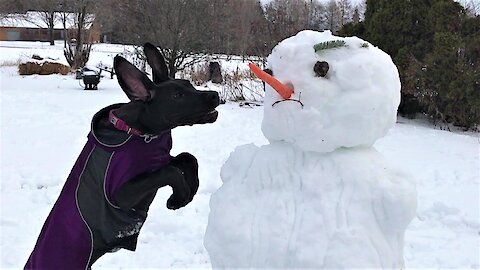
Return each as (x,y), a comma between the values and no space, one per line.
(318,195)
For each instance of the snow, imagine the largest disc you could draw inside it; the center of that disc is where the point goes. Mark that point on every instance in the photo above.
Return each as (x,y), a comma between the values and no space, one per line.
(11,51)
(45,121)
(282,207)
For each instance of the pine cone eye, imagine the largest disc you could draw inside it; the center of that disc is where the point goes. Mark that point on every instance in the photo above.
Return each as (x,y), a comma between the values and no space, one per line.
(321,69)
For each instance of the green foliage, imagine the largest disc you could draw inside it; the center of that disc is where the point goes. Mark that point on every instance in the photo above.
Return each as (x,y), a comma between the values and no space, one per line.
(436,47)
(353,29)
(394,24)
(364,45)
(329,45)
(451,93)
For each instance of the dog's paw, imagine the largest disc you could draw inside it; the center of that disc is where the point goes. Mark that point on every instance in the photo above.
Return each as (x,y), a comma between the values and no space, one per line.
(185,161)
(180,197)
(174,202)
(188,164)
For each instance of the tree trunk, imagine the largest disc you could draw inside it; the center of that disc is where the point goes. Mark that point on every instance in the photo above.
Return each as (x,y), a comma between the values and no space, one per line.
(77,56)
(51,25)
(172,69)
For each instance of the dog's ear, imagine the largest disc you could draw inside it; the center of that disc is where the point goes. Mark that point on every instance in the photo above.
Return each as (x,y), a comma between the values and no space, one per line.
(134,83)
(156,60)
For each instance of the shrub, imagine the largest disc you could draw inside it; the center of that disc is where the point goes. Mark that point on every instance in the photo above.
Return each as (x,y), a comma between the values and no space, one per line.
(237,85)
(10,63)
(240,85)
(199,74)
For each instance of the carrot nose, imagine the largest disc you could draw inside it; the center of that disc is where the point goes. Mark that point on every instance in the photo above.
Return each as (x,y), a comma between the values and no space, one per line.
(282,89)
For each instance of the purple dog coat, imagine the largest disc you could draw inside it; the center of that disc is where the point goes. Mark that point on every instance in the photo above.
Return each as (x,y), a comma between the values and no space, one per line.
(85,216)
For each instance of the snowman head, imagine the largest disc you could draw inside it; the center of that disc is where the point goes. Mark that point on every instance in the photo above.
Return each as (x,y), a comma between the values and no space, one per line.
(335,92)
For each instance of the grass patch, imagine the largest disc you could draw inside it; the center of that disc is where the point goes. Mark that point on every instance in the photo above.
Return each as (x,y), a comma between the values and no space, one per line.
(10,63)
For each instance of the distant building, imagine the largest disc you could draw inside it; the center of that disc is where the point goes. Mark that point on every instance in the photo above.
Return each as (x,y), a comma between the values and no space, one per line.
(31,26)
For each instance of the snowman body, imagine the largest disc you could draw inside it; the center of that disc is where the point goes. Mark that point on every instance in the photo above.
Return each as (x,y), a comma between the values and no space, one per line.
(319,195)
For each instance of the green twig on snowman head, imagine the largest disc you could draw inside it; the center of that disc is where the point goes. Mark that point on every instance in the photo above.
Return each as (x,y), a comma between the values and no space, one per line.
(333,44)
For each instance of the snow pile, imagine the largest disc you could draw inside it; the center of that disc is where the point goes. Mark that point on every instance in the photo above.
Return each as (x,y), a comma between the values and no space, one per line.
(38,60)
(318,195)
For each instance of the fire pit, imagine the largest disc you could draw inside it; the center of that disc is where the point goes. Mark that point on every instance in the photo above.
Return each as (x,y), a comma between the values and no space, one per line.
(90,79)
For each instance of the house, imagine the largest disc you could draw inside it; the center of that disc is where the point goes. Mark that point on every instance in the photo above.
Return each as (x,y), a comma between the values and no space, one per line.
(32,26)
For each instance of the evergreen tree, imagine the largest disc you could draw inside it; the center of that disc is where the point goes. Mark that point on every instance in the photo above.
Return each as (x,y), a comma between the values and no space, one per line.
(436,46)
(394,24)
(451,76)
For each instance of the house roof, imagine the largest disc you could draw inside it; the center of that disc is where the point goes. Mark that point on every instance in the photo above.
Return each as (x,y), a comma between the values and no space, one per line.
(37,19)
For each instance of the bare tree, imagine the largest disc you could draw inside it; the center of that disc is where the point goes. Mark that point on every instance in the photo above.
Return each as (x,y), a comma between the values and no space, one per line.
(362,7)
(183,28)
(356,15)
(78,46)
(472,7)
(47,14)
(177,26)
(345,11)
(8,6)
(261,45)
(243,14)
(332,14)
(218,20)
(316,15)
(286,18)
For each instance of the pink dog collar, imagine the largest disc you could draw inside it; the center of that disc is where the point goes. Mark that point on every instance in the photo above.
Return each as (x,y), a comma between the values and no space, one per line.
(121,125)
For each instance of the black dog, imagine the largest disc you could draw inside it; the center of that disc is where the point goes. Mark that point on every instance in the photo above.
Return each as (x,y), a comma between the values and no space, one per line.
(105,199)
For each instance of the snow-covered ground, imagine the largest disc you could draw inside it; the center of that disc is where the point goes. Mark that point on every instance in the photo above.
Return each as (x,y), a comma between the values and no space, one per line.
(45,121)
